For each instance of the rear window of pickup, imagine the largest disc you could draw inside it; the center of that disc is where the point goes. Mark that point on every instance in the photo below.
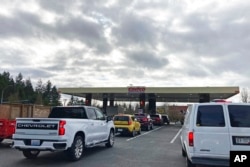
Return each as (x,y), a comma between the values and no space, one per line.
(68,112)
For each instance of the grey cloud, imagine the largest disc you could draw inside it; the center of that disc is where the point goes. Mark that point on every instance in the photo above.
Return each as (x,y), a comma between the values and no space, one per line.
(20,26)
(13,57)
(216,32)
(215,37)
(145,59)
(26,25)
(87,32)
(132,73)
(133,30)
(34,73)
(62,6)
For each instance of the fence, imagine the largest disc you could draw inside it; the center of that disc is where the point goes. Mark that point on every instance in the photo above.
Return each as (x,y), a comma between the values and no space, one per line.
(12,111)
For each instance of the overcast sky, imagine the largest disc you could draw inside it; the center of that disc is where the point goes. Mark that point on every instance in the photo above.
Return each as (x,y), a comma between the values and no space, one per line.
(121,42)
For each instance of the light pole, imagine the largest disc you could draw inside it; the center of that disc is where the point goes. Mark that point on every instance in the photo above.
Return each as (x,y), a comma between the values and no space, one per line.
(3,93)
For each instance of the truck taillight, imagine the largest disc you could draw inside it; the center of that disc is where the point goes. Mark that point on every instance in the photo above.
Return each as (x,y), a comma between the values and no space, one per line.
(129,122)
(61,129)
(191,138)
(13,126)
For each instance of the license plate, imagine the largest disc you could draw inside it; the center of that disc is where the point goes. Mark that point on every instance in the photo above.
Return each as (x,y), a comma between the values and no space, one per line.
(119,130)
(242,140)
(35,142)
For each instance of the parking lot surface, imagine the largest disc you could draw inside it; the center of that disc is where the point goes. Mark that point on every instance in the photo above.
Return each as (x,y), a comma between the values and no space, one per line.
(157,148)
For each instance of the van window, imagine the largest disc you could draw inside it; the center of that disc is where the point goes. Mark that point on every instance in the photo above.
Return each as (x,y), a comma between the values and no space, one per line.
(211,115)
(239,115)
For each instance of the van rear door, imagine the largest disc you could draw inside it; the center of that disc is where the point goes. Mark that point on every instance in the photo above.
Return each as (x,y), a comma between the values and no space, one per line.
(211,133)
(239,117)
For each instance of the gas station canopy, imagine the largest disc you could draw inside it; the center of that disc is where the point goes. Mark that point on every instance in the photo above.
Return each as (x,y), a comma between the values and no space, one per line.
(161,94)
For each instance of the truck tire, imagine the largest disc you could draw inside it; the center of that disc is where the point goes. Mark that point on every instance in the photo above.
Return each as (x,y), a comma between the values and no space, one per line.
(183,152)
(75,152)
(111,139)
(31,154)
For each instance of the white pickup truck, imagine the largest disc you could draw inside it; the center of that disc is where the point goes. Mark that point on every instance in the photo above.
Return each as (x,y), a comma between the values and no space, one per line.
(69,129)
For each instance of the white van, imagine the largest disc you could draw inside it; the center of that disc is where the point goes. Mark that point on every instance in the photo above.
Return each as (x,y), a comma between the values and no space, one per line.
(211,130)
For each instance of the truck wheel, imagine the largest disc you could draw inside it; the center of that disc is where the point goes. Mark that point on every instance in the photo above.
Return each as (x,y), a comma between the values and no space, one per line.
(31,154)
(183,152)
(1,140)
(111,139)
(75,152)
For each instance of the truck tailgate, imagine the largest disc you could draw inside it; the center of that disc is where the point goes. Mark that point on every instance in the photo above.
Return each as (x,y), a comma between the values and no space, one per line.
(37,126)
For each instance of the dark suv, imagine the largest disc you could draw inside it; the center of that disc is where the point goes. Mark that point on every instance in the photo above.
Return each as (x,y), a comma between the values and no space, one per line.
(166,119)
(145,121)
(157,119)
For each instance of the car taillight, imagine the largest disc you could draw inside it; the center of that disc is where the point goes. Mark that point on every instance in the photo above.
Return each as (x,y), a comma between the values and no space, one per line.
(191,138)
(145,119)
(157,119)
(61,130)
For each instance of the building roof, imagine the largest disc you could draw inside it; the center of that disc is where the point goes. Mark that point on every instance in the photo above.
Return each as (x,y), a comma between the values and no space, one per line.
(162,94)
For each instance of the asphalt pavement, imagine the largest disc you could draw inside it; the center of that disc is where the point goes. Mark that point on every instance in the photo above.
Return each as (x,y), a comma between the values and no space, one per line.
(157,148)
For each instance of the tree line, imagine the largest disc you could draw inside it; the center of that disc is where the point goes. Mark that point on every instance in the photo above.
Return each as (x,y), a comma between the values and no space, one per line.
(20,90)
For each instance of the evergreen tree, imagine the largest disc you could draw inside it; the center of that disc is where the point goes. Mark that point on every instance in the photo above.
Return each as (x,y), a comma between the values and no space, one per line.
(19,87)
(23,91)
(55,97)
(6,85)
(39,99)
(47,97)
(40,87)
(29,91)
(14,98)
(39,90)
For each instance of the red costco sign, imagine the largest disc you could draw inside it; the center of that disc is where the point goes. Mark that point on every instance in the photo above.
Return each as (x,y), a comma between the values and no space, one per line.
(136,89)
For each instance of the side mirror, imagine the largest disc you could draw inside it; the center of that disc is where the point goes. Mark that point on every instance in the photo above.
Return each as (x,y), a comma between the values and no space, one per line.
(109,118)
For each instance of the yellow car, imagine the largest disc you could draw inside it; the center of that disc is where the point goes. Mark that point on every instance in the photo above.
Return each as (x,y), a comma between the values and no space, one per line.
(127,124)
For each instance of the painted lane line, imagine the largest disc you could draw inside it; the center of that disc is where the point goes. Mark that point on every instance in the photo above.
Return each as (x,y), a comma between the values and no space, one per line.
(172,141)
(143,134)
